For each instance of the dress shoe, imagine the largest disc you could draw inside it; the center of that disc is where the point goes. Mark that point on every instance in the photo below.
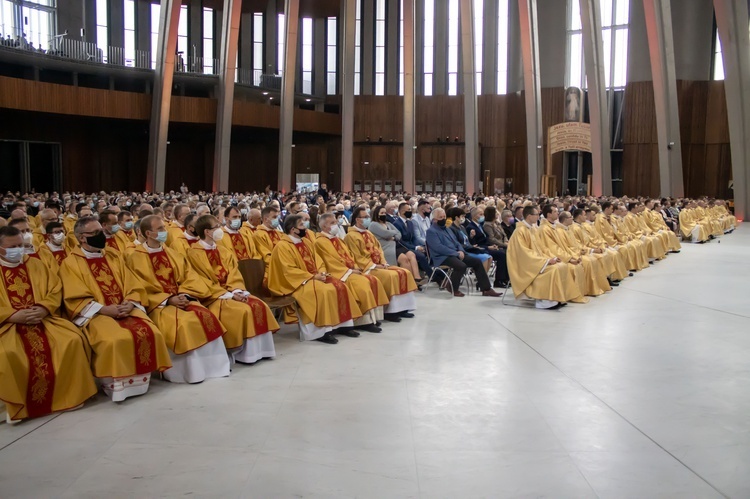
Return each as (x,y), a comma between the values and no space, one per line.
(458,294)
(370,328)
(392,317)
(346,331)
(501,284)
(491,292)
(327,338)
(558,306)
(378,323)
(406,314)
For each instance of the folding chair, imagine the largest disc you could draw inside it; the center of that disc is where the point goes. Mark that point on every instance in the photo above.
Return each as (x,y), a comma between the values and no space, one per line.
(443,269)
(252,273)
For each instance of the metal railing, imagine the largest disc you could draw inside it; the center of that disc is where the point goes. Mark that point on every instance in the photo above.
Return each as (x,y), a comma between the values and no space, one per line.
(197,65)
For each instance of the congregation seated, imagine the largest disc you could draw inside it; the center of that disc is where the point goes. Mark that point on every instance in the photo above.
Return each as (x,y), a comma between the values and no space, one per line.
(389,237)
(53,243)
(405,225)
(445,249)
(478,242)
(235,240)
(267,234)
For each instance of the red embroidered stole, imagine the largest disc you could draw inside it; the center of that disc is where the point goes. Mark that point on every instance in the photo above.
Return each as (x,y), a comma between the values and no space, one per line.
(60,256)
(35,255)
(214,258)
(371,245)
(143,336)
(239,246)
(342,294)
(275,236)
(112,243)
(164,273)
(41,382)
(345,256)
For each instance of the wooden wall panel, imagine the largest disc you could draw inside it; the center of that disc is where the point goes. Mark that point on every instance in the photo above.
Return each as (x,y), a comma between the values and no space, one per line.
(379,116)
(553,112)
(640,158)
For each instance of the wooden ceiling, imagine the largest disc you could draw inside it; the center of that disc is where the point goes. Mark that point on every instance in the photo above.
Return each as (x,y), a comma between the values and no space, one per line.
(307,8)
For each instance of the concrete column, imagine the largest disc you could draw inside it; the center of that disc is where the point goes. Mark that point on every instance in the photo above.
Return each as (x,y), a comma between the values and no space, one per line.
(195,30)
(143,26)
(230,33)
(271,45)
(162,96)
(320,47)
(593,50)
(391,47)
(116,24)
(732,22)
(367,32)
(348,19)
(245,43)
(516,63)
(291,12)
(440,77)
(470,95)
(409,100)
(529,33)
(661,52)
(489,49)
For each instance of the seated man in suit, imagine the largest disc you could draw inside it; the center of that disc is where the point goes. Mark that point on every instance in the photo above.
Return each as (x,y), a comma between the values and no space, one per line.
(480,242)
(446,250)
(405,225)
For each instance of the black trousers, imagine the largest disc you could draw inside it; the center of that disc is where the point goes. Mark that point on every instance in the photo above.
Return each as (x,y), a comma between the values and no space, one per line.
(501,272)
(459,270)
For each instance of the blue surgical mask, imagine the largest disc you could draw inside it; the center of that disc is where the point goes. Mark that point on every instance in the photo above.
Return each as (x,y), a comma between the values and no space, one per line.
(128,226)
(161,236)
(366,222)
(307,224)
(275,223)
(235,224)
(115,229)
(14,255)
(481,220)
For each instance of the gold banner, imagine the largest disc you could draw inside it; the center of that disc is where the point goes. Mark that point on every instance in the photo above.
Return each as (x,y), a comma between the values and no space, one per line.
(572,136)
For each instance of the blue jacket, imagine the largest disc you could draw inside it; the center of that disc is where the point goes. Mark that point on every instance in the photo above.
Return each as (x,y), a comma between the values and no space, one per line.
(480,238)
(442,244)
(407,233)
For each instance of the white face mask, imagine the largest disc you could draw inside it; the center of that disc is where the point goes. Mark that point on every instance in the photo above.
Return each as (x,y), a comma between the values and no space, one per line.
(57,238)
(335,230)
(217,235)
(28,237)
(14,255)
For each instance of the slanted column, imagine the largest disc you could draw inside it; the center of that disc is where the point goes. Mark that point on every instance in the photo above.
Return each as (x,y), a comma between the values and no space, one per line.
(529,31)
(230,33)
(735,48)
(348,16)
(169,18)
(470,95)
(593,50)
(409,100)
(291,18)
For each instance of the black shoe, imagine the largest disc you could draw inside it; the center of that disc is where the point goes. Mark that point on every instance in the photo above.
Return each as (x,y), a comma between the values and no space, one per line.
(327,338)
(406,314)
(392,317)
(558,306)
(501,284)
(378,323)
(613,283)
(346,331)
(630,274)
(370,328)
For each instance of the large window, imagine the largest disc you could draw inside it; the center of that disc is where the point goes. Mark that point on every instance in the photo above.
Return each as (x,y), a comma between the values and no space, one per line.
(32,21)
(280,35)
(155,13)
(615,17)
(502,46)
(478,41)
(257,47)
(208,41)
(358,48)
(102,21)
(129,11)
(453,31)
(182,39)
(718,68)
(380,47)
(429,45)
(307,55)
(331,52)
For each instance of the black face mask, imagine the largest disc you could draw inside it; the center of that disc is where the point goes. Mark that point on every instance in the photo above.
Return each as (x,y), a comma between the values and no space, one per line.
(441,223)
(302,233)
(382,218)
(98,241)
(407,215)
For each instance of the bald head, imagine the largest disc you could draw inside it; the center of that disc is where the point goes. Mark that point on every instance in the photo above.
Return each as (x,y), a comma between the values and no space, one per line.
(17,214)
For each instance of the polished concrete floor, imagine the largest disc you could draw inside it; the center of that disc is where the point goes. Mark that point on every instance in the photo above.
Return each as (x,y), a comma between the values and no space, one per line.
(642,393)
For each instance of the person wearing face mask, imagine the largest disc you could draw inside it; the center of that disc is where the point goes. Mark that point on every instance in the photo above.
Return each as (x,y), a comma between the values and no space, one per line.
(445,249)
(193,334)
(338,260)
(309,229)
(405,225)
(28,245)
(181,243)
(103,297)
(235,240)
(39,233)
(54,243)
(422,222)
(110,227)
(56,376)
(398,283)
(324,304)
(389,238)
(268,234)
(248,320)
(177,227)
(126,235)
(508,223)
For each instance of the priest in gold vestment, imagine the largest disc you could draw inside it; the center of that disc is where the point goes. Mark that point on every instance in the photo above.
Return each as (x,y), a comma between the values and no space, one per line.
(324,303)
(193,334)
(399,283)
(235,240)
(104,298)
(532,273)
(44,360)
(551,247)
(267,235)
(248,320)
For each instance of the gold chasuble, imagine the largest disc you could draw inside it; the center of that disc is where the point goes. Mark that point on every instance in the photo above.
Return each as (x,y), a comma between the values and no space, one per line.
(126,349)
(594,269)
(239,243)
(551,247)
(217,269)
(367,253)
(530,272)
(182,243)
(367,289)
(692,228)
(612,262)
(290,272)
(265,241)
(58,253)
(165,274)
(44,367)
(606,230)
